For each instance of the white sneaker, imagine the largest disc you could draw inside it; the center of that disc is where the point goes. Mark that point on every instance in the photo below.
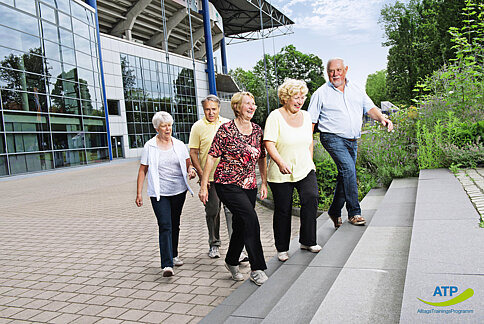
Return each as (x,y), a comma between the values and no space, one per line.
(243,257)
(168,272)
(314,248)
(283,256)
(177,261)
(234,271)
(258,277)
(213,252)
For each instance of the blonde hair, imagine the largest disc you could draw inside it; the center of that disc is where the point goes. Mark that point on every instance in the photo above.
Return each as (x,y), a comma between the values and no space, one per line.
(289,88)
(236,101)
(161,117)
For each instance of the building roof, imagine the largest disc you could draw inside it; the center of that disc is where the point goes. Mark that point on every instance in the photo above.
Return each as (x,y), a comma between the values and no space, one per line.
(242,17)
(142,21)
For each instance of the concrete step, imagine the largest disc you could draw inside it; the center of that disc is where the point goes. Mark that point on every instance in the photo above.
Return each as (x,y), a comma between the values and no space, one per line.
(255,304)
(446,250)
(241,295)
(369,287)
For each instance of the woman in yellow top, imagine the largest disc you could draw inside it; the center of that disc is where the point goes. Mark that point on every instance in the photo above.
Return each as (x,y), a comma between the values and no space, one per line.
(289,141)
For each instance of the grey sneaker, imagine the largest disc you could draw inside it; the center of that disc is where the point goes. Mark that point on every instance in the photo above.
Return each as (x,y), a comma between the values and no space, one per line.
(234,271)
(243,257)
(177,261)
(313,248)
(213,252)
(258,277)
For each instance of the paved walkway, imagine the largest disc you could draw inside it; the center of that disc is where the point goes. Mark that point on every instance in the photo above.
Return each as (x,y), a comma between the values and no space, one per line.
(473,182)
(75,248)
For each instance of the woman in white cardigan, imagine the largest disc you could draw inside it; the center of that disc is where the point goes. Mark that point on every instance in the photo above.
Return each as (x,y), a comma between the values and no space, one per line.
(167,163)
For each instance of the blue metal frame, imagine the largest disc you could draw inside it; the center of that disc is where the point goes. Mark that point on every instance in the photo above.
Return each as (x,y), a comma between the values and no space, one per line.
(93,4)
(223,53)
(209,48)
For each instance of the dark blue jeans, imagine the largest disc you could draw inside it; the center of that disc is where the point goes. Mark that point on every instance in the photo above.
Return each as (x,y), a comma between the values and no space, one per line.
(343,152)
(168,210)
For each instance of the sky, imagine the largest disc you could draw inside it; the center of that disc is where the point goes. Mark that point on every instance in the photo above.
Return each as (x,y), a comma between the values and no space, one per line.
(345,28)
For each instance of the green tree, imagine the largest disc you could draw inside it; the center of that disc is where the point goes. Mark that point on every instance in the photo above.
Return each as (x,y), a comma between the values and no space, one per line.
(417,34)
(288,63)
(376,87)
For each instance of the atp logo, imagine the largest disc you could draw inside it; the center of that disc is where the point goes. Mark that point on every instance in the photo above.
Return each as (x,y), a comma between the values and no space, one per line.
(449,291)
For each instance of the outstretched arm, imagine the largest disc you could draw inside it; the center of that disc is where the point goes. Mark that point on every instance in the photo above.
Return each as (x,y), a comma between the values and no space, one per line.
(376,114)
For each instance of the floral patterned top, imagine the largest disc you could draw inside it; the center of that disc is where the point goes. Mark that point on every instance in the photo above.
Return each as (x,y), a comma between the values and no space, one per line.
(238,154)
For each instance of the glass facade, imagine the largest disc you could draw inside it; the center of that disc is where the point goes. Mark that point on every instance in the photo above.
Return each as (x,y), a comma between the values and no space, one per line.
(151,86)
(52,112)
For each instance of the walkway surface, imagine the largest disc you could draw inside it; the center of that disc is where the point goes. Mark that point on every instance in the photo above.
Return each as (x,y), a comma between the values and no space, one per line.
(76,249)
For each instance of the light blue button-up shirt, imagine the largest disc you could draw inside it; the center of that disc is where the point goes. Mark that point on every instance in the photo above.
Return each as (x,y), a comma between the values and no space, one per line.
(337,112)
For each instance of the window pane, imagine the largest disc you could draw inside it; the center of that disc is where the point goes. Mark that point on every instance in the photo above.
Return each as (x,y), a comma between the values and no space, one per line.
(27,122)
(69,158)
(96,140)
(28,142)
(97,155)
(3,166)
(94,124)
(66,124)
(30,162)
(64,141)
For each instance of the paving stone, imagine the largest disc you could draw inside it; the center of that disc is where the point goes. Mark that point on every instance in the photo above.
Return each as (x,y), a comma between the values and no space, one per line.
(70,254)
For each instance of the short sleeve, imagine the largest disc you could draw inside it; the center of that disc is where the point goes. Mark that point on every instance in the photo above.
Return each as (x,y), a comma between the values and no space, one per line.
(271,130)
(367,103)
(185,153)
(194,141)
(216,147)
(315,105)
(144,156)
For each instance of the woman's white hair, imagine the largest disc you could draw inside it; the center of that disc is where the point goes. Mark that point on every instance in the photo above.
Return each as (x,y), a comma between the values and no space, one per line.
(161,117)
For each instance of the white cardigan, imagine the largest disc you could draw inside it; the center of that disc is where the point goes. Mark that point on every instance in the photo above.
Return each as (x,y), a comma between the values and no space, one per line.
(150,157)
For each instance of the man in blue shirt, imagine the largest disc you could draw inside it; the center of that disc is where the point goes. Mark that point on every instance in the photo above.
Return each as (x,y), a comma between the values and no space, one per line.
(338,107)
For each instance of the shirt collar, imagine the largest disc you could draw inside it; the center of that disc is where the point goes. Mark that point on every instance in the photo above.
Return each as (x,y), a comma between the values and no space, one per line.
(211,123)
(346,84)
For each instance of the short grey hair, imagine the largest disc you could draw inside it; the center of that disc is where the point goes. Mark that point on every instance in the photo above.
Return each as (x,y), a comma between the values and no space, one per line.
(162,117)
(212,98)
(334,59)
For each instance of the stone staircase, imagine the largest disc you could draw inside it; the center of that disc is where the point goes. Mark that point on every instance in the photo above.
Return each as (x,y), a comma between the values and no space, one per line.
(358,277)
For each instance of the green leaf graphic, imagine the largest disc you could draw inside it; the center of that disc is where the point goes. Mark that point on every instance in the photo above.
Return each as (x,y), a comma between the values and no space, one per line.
(468,293)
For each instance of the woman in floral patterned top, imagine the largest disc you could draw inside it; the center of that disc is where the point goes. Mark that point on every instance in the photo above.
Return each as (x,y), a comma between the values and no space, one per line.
(238,144)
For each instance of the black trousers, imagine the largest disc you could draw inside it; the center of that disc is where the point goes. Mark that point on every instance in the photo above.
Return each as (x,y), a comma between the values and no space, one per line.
(245,225)
(307,189)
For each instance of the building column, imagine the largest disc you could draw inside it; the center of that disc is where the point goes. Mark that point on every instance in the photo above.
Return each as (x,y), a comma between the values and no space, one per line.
(208,47)
(93,4)
(223,53)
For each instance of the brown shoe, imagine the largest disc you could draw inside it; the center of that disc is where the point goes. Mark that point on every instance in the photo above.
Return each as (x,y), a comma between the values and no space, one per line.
(357,220)
(336,220)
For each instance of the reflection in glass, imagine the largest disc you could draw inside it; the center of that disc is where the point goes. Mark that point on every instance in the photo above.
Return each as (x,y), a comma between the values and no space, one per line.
(64,141)
(30,162)
(3,166)
(96,140)
(65,123)
(69,158)
(97,155)
(15,19)
(19,122)
(28,142)
(47,13)
(95,124)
